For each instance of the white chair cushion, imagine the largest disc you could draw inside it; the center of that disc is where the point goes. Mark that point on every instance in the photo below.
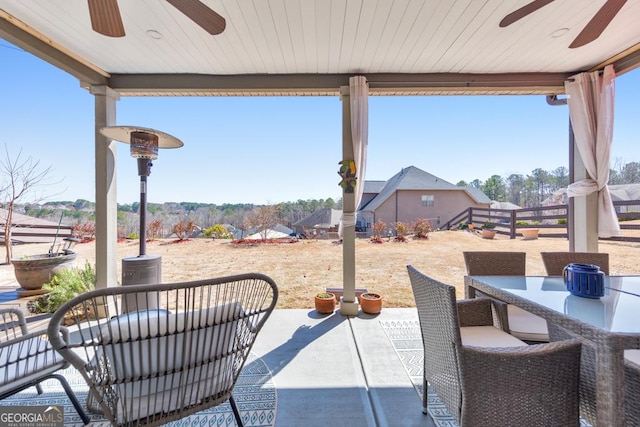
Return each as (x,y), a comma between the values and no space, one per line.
(527,326)
(171,349)
(632,356)
(27,360)
(488,336)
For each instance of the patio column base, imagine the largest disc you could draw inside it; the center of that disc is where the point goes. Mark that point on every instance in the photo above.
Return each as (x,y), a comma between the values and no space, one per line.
(348,308)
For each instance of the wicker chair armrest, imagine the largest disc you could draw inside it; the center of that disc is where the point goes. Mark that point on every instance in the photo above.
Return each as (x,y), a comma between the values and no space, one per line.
(483,312)
(10,319)
(512,385)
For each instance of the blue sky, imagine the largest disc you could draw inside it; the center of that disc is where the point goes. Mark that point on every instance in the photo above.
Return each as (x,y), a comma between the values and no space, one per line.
(275,149)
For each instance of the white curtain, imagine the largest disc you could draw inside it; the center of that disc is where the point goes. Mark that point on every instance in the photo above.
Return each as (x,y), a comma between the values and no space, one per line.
(590,99)
(358,96)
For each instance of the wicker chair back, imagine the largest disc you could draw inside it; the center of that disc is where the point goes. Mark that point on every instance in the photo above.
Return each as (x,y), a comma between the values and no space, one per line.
(149,366)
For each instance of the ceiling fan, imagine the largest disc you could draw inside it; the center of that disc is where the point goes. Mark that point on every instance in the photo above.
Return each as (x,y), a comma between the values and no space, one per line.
(106,19)
(589,33)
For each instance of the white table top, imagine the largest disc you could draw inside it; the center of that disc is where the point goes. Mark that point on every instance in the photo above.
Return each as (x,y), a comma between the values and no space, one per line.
(618,311)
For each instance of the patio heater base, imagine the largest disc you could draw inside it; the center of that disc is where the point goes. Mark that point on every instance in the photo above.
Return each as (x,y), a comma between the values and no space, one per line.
(142,270)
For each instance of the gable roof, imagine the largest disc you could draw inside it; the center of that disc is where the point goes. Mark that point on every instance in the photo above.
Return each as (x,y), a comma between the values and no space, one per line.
(412,178)
(373,186)
(322,218)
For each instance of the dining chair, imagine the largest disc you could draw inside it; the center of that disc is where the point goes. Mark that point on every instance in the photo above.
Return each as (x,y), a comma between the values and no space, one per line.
(555,262)
(485,376)
(27,358)
(522,324)
(157,353)
(588,407)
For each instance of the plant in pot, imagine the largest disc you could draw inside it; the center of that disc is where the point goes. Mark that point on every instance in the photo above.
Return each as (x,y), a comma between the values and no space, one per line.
(370,302)
(33,271)
(488,231)
(325,302)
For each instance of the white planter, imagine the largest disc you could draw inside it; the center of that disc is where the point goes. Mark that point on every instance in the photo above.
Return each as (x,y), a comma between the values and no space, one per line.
(530,233)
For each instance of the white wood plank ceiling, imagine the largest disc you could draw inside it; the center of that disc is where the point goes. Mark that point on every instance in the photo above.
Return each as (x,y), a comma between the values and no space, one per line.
(330,37)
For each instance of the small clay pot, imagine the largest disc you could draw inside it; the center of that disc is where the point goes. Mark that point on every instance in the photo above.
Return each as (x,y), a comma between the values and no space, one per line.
(325,302)
(370,303)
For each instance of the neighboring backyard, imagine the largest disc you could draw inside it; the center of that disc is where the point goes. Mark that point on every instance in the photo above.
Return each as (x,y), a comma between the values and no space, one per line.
(304,268)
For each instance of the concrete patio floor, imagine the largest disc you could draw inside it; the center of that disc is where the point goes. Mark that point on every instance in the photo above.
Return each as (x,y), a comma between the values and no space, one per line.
(336,370)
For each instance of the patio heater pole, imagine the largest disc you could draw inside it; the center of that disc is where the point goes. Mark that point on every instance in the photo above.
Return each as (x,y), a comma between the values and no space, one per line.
(144,143)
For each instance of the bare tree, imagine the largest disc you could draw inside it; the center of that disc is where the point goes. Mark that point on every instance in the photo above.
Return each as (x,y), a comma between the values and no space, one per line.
(20,177)
(262,218)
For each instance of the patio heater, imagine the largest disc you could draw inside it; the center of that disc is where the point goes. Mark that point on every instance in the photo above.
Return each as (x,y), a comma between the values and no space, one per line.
(144,144)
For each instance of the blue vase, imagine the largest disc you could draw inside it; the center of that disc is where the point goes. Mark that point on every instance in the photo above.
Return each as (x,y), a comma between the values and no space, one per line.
(584,280)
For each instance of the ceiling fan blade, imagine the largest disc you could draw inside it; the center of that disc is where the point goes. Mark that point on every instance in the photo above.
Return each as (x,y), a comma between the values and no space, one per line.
(598,23)
(523,11)
(105,17)
(201,14)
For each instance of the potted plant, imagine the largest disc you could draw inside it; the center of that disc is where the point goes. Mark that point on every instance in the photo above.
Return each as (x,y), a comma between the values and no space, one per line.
(488,231)
(325,302)
(33,271)
(370,302)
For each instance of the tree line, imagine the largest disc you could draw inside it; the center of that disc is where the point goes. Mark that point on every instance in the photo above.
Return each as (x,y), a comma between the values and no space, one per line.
(204,215)
(530,190)
(523,190)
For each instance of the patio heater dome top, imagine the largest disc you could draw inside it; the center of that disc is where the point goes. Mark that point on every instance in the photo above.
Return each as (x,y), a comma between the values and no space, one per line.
(144,141)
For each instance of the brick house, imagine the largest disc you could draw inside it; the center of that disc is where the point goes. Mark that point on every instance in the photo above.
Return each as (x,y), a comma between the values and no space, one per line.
(413,193)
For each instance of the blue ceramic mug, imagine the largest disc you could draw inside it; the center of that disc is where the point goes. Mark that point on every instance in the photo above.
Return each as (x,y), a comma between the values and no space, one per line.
(584,280)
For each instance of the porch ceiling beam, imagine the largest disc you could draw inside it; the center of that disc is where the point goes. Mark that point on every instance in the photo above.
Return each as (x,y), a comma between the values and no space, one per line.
(31,41)
(329,84)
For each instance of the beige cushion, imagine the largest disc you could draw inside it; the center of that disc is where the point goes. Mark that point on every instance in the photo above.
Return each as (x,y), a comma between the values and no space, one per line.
(527,326)
(488,336)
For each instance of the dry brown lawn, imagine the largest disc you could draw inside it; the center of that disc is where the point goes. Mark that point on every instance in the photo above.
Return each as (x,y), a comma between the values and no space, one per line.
(304,268)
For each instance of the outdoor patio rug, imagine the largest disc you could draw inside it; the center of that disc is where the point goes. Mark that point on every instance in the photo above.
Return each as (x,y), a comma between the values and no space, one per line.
(255,395)
(407,341)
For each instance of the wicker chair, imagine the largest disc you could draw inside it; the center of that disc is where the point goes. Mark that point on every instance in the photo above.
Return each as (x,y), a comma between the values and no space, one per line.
(518,385)
(156,353)
(524,325)
(588,379)
(27,359)
(555,262)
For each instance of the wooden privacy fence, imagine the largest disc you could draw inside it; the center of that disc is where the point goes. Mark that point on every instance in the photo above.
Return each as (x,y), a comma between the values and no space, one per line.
(550,220)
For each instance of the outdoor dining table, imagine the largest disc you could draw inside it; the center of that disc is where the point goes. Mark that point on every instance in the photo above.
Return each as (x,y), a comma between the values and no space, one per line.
(610,323)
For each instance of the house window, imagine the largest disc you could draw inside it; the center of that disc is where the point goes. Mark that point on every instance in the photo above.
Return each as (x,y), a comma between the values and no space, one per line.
(427,200)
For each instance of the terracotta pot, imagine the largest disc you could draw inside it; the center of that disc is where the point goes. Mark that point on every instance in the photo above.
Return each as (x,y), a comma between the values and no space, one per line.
(370,303)
(488,233)
(325,305)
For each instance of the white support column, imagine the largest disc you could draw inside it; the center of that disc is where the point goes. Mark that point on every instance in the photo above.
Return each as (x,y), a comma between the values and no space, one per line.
(348,302)
(585,212)
(106,195)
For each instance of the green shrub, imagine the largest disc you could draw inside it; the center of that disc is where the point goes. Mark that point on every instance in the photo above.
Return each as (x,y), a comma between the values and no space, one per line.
(65,285)
(562,221)
(217,231)
(132,236)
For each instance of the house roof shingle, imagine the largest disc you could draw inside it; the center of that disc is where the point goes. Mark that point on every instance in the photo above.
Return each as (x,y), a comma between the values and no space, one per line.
(412,178)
